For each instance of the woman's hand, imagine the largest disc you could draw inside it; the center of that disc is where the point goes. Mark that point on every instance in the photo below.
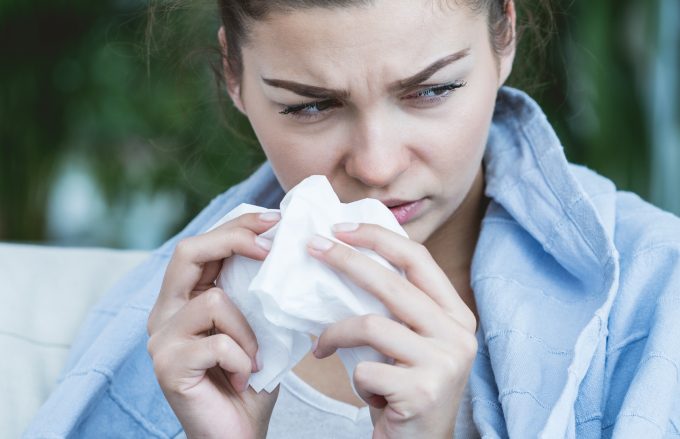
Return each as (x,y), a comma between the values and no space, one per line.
(419,395)
(202,347)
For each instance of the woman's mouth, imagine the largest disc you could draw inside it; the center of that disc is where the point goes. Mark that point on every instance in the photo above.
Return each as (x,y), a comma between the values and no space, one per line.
(405,211)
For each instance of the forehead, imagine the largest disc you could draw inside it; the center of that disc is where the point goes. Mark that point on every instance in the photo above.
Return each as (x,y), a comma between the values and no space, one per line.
(387,34)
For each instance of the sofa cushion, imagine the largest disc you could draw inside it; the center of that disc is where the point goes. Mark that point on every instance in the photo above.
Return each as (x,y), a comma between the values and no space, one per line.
(45,293)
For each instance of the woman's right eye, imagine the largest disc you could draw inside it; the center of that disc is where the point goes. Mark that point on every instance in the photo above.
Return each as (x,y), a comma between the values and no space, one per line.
(310,111)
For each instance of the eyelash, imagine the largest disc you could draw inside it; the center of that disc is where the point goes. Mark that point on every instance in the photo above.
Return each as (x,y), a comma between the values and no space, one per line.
(298,111)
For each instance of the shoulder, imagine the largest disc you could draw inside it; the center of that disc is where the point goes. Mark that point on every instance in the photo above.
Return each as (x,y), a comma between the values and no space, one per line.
(647,241)
(646,237)
(642,346)
(638,226)
(642,227)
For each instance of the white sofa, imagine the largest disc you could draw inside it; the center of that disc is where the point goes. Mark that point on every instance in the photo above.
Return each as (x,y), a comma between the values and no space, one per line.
(45,293)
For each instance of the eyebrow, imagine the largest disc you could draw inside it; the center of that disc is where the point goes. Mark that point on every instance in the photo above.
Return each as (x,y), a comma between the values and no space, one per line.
(314,92)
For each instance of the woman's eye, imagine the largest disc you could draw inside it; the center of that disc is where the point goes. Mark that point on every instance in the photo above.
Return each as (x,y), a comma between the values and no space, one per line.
(433,95)
(316,110)
(310,111)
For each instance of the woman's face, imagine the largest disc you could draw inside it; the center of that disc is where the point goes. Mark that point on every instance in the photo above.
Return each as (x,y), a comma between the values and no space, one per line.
(391,101)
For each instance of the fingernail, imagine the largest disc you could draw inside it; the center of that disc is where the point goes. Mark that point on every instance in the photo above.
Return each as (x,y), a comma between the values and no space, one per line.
(320,243)
(263,243)
(345,227)
(270,216)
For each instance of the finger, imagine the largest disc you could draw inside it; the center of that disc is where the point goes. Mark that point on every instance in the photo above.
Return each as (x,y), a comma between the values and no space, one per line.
(198,260)
(378,383)
(377,401)
(185,363)
(191,254)
(413,258)
(403,299)
(212,309)
(381,333)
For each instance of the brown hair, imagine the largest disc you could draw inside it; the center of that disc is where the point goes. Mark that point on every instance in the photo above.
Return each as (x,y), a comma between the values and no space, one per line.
(237,15)
(534,28)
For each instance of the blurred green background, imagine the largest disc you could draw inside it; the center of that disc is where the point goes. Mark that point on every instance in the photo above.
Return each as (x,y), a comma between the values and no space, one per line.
(114,136)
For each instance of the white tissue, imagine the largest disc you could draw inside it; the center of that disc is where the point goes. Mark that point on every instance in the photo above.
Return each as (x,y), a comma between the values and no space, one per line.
(290,294)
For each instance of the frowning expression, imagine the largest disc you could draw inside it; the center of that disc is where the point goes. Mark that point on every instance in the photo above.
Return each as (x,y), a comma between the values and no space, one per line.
(391,101)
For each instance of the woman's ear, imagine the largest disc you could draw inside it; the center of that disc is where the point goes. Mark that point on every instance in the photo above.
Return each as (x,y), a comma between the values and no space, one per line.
(232,82)
(508,56)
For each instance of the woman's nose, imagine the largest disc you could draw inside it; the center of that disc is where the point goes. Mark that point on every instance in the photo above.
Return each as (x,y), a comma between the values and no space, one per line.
(377,155)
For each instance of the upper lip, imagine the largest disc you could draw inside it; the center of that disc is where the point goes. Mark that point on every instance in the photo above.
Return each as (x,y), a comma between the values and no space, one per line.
(394,202)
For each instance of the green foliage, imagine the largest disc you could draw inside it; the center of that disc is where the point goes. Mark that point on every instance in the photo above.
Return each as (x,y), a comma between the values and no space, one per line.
(79,84)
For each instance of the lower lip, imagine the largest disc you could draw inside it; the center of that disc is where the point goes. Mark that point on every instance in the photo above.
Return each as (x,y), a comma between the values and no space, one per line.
(405,212)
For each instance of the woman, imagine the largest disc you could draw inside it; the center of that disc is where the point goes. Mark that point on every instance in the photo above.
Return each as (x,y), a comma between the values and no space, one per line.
(538,301)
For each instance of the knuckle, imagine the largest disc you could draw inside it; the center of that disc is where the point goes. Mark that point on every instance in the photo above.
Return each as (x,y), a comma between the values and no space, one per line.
(461,352)
(449,362)
(220,345)
(470,321)
(413,256)
(150,323)
(161,364)
(371,324)
(151,346)
(183,247)
(246,219)
(371,236)
(236,236)
(469,346)
(226,351)
(231,233)
(213,299)
(369,229)
(421,252)
(452,362)
(465,320)
(251,219)
(244,223)
(394,283)
(361,374)
(345,256)
(242,232)
(426,392)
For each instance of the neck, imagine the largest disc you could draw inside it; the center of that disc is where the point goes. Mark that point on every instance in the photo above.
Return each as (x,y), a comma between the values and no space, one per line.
(453,244)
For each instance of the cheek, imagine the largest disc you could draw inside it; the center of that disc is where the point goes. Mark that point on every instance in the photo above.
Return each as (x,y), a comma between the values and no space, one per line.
(474,121)
(462,143)
(293,154)
(292,157)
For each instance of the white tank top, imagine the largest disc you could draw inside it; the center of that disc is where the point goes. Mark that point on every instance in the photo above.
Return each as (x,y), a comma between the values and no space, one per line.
(302,412)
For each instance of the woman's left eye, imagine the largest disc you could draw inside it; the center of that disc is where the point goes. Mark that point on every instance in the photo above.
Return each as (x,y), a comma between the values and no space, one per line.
(311,111)
(433,95)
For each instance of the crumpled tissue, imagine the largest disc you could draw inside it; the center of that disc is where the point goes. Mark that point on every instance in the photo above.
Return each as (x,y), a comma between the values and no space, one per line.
(290,294)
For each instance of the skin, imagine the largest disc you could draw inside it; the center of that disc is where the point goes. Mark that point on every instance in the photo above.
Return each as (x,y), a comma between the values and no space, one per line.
(374,142)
